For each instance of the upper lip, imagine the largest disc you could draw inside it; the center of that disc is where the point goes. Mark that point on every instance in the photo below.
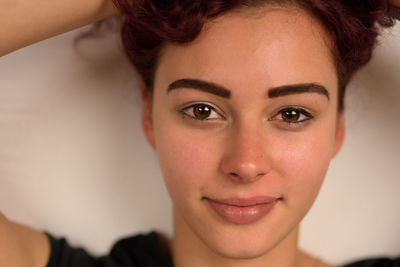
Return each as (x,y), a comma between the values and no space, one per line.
(245,202)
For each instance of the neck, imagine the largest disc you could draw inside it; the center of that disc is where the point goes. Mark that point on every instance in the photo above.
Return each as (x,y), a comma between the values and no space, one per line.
(189,250)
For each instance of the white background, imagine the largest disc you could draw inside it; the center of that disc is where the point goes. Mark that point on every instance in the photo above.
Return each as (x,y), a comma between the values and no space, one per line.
(74,162)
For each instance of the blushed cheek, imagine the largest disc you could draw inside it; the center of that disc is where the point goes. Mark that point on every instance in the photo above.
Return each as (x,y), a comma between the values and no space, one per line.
(304,166)
(186,163)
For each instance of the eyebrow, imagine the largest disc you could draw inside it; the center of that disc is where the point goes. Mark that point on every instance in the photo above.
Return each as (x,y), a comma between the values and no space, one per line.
(297,89)
(200,85)
(225,93)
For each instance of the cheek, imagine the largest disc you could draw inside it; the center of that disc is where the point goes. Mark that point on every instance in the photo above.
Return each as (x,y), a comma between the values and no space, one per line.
(303,163)
(187,160)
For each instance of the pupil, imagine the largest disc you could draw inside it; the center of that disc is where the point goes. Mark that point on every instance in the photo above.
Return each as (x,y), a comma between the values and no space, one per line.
(202,111)
(291,115)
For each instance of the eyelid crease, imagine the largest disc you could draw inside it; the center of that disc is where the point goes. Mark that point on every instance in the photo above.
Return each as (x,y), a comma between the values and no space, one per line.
(191,104)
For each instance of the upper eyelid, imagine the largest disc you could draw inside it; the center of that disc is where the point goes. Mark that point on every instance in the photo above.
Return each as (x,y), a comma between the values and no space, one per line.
(298,108)
(192,104)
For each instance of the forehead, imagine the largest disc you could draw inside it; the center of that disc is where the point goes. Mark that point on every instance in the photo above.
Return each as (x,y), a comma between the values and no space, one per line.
(267,47)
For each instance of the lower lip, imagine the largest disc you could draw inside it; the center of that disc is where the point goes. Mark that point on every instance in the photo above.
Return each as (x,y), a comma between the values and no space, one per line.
(241,214)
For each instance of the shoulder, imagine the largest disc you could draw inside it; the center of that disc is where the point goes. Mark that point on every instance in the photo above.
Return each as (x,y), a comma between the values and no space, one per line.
(307,260)
(377,262)
(21,245)
(142,249)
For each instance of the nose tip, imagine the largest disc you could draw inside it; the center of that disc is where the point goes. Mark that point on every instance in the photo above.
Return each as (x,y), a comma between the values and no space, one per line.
(247,172)
(245,162)
(246,158)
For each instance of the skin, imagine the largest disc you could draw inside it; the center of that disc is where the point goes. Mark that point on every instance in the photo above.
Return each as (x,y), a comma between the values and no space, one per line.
(26,22)
(395,3)
(244,148)
(23,246)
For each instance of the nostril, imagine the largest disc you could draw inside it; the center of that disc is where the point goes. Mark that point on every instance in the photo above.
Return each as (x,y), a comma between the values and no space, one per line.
(245,178)
(245,166)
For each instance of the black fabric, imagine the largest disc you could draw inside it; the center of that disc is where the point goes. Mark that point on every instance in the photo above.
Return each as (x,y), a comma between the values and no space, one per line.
(137,251)
(143,251)
(379,262)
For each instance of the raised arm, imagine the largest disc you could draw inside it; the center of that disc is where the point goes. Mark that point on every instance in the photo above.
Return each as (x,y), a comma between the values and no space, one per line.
(396,9)
(395,2)
(23,22)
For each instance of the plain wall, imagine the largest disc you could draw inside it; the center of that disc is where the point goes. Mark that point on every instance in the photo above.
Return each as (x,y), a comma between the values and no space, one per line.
(74,161)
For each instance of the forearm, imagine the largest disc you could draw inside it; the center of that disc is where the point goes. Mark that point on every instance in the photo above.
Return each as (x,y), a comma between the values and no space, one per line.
(23,22)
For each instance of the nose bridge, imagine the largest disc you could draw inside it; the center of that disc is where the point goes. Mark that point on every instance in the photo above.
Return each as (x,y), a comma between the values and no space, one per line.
(248,140)
(245,158)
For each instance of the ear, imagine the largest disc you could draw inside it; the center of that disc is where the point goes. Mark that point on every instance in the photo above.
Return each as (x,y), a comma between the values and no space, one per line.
(147,116)
(340,133)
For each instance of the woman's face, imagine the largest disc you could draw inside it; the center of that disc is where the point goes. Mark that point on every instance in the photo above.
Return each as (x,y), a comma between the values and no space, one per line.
(244,121)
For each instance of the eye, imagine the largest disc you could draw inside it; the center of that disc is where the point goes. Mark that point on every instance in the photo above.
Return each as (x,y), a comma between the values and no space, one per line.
(293,115)
(201,111)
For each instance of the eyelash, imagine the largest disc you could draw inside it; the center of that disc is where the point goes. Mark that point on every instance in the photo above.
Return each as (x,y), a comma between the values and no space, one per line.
(296,111)
(189,111)
(300,112)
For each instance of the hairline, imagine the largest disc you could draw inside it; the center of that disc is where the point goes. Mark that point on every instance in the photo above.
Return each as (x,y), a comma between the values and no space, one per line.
(260,7)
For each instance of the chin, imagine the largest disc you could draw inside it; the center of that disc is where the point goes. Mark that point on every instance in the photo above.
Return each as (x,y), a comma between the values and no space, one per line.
(241,253)
(239,241)
(241,244)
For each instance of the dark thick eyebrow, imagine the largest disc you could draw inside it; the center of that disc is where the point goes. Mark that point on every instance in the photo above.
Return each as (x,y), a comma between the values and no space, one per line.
(272,92)
(297,89)
(200,85)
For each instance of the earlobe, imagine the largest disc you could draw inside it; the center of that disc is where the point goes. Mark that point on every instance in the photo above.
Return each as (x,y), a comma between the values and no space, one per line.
(340,133)
(147,116)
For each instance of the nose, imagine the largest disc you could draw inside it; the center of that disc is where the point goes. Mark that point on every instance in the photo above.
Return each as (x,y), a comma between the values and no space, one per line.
(245,159)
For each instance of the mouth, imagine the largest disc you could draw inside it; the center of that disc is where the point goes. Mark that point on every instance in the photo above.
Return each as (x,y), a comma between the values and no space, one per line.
(243,210)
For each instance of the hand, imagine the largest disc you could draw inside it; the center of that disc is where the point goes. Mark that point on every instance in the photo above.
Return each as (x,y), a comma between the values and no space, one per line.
(395,3)
(395,9)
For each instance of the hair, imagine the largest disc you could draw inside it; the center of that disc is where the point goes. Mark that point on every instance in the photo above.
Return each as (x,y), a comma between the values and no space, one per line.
(352,25)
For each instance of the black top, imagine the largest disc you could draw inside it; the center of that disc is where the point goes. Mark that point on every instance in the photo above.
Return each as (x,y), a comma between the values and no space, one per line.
(380,262)
(143,251)
(140,250)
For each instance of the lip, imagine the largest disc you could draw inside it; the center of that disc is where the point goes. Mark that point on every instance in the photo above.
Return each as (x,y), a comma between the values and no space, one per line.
(243,210)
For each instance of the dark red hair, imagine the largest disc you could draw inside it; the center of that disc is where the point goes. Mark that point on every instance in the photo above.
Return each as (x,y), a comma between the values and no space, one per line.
(353,26)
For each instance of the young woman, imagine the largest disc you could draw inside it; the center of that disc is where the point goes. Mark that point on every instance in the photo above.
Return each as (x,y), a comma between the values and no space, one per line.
(243,102)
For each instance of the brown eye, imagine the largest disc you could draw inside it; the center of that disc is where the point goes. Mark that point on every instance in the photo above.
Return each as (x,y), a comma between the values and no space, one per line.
(201,112)
(293,115)
(290,115)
